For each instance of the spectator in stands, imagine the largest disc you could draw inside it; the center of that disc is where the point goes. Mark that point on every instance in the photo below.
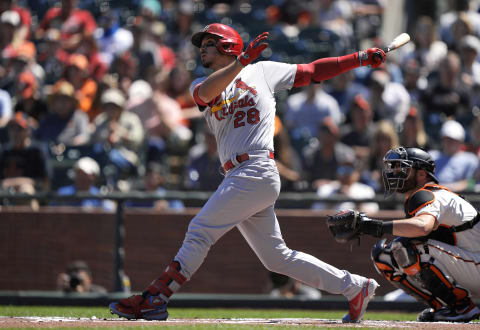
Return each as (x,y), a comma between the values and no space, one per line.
(289,163)
(306,111)
(347,185)
(86,173)
(88,47)
(168,121)
(460,28)
(144,50)
(389,100)
(9,22)
(52,57)
(385,138)
(469,51)
(425,48)
(178,88)
(78,278)
(337,16)
(119,131)
(445,97)
(360,132)
(73,23)
(65,123)
(324,154)
(414,80)
(165,55)
(125,68)
(23,165)
(454,167)
(344,89)
(77,74)
(154,182)
(24,13)
(413,133)
(113,40)
(202,169)
(27,98)
(459,9)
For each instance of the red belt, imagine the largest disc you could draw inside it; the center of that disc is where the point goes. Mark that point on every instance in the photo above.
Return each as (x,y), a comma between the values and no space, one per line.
(240,159)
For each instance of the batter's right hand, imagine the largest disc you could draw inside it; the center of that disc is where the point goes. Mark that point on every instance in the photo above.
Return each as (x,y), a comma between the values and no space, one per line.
(254,49)
(373,57)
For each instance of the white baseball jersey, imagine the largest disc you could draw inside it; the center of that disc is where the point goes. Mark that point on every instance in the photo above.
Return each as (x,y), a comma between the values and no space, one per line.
(452,210)
(460,263)
(242,120)
(242,117)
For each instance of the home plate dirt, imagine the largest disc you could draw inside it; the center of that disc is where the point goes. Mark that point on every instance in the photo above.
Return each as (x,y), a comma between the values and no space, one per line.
(54,322)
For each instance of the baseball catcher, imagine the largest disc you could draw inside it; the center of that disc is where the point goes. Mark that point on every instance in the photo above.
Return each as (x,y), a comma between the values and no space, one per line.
(436,254)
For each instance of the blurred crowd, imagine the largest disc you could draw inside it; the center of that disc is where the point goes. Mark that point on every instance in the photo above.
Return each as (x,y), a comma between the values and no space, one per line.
(94,95)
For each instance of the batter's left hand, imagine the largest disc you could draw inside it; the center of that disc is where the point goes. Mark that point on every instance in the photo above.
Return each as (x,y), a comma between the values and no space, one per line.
(254,49)
(373,57)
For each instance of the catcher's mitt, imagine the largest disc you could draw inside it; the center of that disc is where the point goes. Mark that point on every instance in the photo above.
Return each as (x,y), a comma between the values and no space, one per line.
(345,225)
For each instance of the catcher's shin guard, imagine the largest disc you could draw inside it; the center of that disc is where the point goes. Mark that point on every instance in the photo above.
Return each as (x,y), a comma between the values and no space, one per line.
(400,263)
(386,265)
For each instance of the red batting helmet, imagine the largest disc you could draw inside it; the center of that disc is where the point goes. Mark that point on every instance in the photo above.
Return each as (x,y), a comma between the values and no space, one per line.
(229,41)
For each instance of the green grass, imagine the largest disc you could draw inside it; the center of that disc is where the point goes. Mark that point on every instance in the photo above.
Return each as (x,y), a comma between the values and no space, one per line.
(192,313)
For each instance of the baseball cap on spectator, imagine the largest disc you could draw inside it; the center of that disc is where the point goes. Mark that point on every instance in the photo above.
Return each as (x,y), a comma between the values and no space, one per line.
(28,84)
(62,88)
(361,103)
(453,130)
(329,125)
(79,61)
(25,52)
(113,96)
(10,17)
(87,165)
(413,112)
(470,42)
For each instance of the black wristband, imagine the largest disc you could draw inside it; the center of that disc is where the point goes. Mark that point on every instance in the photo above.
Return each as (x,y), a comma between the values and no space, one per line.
(387,227)
(376,228)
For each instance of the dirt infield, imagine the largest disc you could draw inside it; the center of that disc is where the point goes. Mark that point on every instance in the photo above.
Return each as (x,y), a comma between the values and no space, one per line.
(54,322)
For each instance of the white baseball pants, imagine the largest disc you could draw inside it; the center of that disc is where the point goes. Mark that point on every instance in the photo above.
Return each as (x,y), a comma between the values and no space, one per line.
(245,199)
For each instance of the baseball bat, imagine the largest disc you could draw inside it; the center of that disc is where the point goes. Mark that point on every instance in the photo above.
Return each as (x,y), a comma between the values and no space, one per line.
(397,42)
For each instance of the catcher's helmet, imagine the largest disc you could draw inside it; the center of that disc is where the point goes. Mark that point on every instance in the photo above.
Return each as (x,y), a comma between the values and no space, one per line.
(398,162)
(229,41)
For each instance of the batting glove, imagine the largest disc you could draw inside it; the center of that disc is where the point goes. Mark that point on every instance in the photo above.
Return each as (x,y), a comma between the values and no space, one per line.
(373,57)
(253,50)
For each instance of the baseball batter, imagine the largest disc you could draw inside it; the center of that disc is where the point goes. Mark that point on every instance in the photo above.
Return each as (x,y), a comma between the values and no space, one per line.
(436,259)
(238,103)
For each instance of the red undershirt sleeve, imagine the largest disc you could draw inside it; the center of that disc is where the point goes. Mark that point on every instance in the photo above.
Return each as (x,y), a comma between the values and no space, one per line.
(324,69)
(197,98)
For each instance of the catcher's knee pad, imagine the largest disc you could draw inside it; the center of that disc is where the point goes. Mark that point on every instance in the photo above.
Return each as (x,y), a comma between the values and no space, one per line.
(399,262)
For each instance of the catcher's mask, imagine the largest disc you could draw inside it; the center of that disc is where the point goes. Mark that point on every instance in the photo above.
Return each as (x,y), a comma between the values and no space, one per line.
(398,163)
(229,41)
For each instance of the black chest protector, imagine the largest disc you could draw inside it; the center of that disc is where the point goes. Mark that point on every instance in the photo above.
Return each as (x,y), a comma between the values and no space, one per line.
(443,233)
